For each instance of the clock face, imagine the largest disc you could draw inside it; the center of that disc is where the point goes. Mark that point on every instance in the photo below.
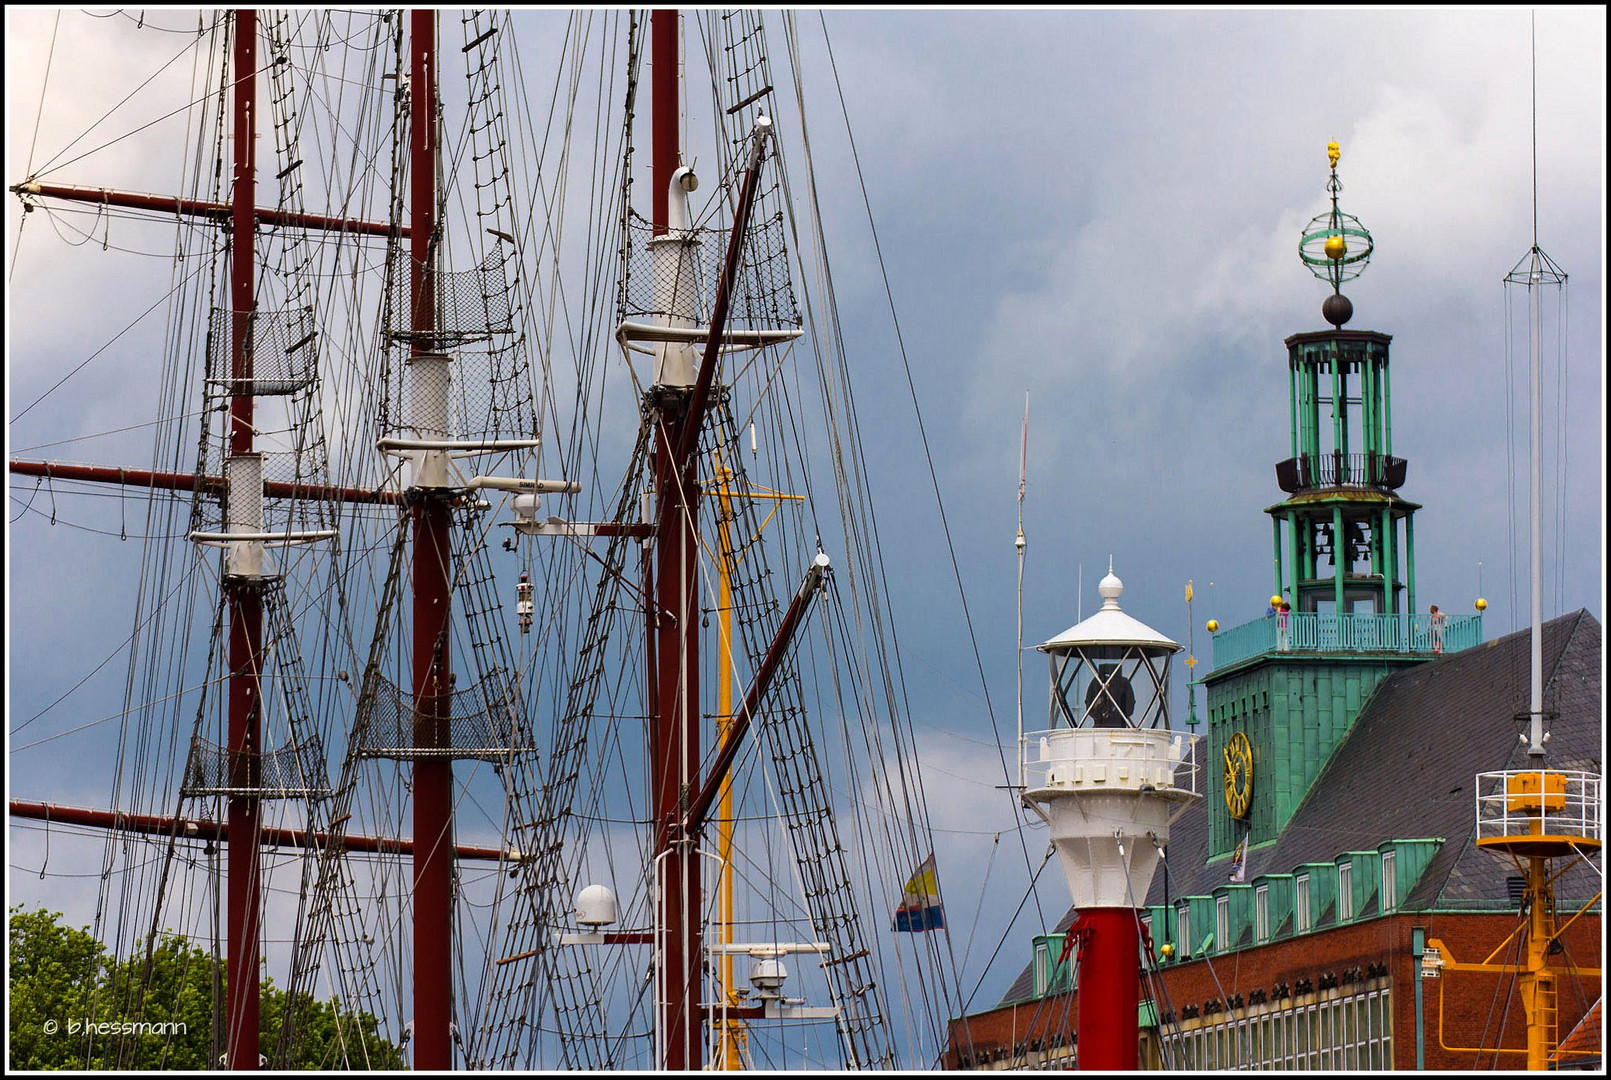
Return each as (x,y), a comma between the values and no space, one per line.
(1238,775)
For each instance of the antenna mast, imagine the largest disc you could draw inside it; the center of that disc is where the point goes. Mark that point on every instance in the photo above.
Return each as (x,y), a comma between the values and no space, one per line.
(1535,270)
(1020,542)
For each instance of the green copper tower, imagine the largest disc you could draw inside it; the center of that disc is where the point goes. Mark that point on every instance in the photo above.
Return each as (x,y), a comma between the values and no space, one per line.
(1285,688)
(1338,543)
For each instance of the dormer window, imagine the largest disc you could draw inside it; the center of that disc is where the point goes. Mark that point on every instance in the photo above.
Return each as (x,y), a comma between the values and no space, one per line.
(1345,892)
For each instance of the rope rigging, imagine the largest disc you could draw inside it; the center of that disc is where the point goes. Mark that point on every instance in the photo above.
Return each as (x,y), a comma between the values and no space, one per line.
(534,270)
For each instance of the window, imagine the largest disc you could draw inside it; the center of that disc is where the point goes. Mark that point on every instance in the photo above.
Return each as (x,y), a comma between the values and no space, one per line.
(1389,881)
(1345,892)
(1301,905)
(1183,929)
(1386,1029)
(1261,913)
(1222,922)
(1374,1031)
(1351,1035)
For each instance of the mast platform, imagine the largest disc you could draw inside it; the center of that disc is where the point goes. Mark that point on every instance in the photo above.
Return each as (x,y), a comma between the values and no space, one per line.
(1539,813)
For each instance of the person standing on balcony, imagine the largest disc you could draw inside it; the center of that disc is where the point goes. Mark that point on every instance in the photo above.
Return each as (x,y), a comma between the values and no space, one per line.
(1281,620)
(1437,619)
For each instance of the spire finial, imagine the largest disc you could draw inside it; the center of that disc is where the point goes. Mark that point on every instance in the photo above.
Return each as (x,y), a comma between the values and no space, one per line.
(1110,588)
(1326,250)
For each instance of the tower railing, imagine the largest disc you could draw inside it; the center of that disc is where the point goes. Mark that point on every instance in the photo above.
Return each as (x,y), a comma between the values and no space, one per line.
(1309,472)
(1350,632)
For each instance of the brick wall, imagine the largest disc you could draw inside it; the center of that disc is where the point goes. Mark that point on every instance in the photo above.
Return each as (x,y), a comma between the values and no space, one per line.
(1470,1015)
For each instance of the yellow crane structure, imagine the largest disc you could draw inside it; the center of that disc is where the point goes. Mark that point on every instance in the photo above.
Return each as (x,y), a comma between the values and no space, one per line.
(1537,818)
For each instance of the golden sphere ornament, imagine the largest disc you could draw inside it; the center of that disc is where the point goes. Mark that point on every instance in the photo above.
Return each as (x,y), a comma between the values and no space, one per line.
(1482,605)
(1213,626)
(1336,246)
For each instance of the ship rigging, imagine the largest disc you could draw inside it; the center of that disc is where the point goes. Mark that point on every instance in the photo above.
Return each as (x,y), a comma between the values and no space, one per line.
(425,708)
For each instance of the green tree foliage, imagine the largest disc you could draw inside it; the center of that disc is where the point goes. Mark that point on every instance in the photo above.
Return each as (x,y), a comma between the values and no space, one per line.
(52,970)
(64,977)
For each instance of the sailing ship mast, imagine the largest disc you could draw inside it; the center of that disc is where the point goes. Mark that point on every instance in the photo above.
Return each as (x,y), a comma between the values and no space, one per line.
(410,953)
(433,554)
(242,591)
(681,800)
(247,579)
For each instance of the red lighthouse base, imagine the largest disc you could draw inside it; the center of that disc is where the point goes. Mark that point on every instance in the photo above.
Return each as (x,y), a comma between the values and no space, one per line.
(1107,1033)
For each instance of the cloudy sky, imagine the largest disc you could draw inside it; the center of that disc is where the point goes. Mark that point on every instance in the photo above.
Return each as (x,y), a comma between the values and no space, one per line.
(1100,209)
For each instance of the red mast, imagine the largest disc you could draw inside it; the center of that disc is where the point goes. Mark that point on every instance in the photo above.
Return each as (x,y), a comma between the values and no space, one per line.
(675,731)
(243,594)
(433,773)
(1108,1024)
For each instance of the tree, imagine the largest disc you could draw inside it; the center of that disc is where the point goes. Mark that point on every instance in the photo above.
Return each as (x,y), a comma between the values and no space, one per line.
(52,971)
(65,976)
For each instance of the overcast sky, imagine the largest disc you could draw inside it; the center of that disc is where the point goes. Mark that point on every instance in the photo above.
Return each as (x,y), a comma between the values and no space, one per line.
(1099,208)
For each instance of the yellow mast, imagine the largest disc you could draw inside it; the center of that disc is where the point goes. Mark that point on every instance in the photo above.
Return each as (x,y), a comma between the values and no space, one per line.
(1532,816)
(733,1047)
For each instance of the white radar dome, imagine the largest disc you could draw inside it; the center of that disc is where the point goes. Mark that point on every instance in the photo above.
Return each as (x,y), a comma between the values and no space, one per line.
(595,906)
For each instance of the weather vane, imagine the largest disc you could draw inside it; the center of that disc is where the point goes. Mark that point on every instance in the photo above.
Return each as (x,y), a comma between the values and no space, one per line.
(1336,248)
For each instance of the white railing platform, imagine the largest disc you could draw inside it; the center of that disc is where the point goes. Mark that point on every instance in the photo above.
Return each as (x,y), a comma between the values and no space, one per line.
(1112,759)
(1527,808)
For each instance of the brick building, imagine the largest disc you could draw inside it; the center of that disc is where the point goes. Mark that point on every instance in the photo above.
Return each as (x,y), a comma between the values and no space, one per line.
(1311,962)
(1291,926)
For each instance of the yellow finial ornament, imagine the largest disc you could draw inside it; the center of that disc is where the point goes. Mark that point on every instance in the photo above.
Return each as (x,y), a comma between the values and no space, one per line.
(1482,605)
(1336,247)
(1333,151)
(1213,626)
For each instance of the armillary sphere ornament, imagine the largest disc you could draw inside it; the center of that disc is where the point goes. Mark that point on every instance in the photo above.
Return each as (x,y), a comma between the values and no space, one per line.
(1336,248)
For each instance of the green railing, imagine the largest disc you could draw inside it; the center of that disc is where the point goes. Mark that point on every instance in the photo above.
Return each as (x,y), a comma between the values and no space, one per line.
(1320,632)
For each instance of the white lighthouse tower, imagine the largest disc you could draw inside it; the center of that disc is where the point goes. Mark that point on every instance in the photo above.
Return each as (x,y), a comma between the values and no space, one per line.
(1107,779)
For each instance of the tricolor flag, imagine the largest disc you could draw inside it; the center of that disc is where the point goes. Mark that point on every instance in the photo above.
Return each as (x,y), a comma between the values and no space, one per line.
(920,908)
(1239,861)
